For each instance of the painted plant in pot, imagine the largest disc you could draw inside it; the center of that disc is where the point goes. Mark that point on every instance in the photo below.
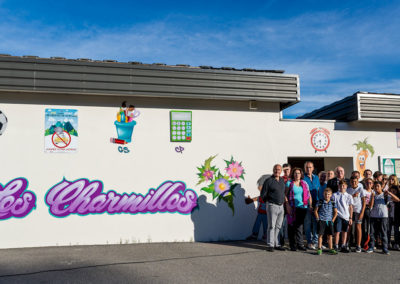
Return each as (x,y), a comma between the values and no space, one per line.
(364,149)
(221,183)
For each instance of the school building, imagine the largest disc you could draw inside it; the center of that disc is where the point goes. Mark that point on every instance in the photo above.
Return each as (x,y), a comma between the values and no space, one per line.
(176,162)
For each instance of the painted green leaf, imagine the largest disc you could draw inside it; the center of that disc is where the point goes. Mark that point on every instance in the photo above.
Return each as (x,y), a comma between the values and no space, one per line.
(207,163)
(364,145)
(215,194)
(207,189)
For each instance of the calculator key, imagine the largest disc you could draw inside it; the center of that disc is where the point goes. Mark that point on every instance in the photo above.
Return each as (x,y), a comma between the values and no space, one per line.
(179,128)
(188,127)
(183,133)
(189,123)
(173,132)
(188,138)
(178,132)
(173,137)
(173,127)
(182,123)
(174,123)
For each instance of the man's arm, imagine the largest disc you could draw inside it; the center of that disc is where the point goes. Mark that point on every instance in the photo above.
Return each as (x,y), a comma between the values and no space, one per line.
(351,214)
(363,208)
(264,191)
(371,202)
(394,197)
(316,212)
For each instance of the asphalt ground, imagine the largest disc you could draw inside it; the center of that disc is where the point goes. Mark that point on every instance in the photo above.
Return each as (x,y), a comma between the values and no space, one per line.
(222,262)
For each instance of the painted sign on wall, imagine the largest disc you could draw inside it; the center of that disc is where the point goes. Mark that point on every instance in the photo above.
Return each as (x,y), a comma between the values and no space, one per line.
(3,122)
(364,149)
(15,199)
(85,197)
(61,130)
(390,165)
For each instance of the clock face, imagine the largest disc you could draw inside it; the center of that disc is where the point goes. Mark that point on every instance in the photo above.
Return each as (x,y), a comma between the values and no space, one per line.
(320,141)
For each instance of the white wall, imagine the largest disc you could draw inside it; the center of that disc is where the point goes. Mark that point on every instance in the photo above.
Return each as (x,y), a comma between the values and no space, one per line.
(151,161)
(257,138)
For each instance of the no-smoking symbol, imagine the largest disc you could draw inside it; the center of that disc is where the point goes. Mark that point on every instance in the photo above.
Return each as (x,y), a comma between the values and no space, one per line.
(61,140)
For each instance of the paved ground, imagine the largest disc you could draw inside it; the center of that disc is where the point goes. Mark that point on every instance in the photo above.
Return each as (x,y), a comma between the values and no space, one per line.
(231,262)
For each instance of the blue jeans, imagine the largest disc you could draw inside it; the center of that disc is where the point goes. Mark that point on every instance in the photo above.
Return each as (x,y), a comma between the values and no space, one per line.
(310,227)
(378,227)
(261,219)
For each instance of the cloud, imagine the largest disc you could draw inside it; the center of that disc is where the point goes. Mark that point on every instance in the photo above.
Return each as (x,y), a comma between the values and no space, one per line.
(335,53)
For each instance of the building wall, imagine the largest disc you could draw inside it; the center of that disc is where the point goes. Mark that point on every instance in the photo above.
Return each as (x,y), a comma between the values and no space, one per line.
(217,130)
(259,139)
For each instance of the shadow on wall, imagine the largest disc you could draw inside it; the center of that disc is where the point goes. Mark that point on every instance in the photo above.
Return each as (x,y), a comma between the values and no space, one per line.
(216,222)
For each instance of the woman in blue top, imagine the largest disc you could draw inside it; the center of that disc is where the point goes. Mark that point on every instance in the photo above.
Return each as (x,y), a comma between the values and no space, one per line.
(298,201)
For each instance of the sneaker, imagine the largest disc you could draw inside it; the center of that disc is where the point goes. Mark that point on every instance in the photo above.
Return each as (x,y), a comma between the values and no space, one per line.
(280,248)
(319,251)
(358,249)
(332,251)
(336,248)
(270,249)
(311,246)
(396,247)
(345,249)
(303,248)
(324,247)
(385,251)
(370,250)
(293,248)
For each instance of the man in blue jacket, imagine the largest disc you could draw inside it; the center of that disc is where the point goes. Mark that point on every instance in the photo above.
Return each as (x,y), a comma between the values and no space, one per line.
(310,223)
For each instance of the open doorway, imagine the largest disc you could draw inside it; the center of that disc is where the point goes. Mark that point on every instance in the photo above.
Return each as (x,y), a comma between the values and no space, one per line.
(298,162)
(324,164)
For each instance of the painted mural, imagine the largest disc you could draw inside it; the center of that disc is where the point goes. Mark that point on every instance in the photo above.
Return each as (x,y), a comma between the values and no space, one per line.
(3,122)
(125,123)
(362,156)
(61,130)
(15,200)
(320,140)
(83,197)
(221,183)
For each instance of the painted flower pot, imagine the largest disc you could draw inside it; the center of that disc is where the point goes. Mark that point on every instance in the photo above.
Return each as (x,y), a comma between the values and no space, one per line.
(124,130)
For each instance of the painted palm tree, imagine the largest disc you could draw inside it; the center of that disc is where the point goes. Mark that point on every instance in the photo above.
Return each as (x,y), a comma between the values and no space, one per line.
(364,149)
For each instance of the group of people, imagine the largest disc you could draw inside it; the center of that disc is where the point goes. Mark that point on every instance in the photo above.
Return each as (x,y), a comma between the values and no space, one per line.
(334,212)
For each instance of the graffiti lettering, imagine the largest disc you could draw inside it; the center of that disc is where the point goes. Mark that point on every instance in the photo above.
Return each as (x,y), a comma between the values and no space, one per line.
(84,197)
(14,200)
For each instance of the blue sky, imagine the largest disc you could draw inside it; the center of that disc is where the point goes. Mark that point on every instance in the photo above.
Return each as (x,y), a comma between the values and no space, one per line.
(336,47)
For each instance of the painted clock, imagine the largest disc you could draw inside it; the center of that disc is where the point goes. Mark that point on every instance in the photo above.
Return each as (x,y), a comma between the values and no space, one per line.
(320,139)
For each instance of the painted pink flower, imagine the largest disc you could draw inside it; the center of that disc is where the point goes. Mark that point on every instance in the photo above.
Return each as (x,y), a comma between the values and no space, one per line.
(234,170)
(208,175)
(222,186)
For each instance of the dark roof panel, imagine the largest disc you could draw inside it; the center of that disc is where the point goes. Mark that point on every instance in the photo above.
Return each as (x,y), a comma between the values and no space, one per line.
(108,77)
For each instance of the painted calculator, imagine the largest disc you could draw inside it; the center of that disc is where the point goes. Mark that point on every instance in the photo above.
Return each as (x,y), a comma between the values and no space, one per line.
(180,126)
